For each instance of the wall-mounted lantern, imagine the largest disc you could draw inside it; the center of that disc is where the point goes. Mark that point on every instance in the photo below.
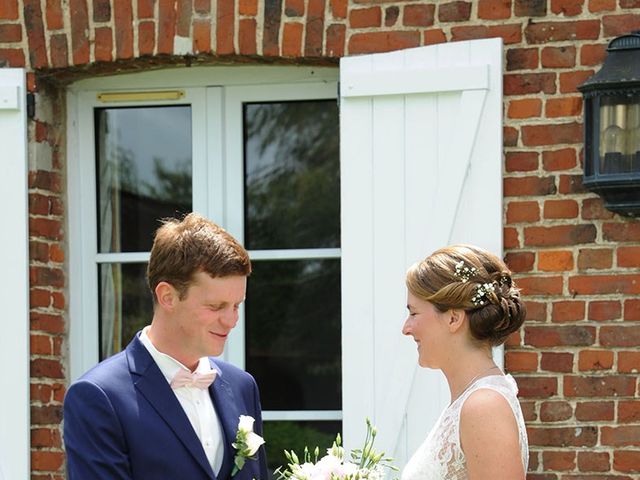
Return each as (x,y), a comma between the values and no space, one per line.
(612,127)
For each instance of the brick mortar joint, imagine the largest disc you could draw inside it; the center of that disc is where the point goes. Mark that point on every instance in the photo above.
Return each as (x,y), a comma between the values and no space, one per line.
(48,216)
(48,310)
(49,264)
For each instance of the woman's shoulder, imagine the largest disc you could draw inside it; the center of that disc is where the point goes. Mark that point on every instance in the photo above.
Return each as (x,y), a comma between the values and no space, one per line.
(487,416)
(490,396)
(485,402)
(491,430)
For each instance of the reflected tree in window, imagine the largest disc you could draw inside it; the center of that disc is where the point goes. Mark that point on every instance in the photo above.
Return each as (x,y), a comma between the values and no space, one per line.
(292,200)
(292,175)
(144,174)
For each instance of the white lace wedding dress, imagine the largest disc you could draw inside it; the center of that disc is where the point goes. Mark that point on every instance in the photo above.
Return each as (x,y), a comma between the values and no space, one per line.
(440,457)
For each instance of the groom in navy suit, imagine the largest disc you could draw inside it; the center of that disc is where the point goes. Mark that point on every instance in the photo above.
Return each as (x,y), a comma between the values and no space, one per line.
(163,408)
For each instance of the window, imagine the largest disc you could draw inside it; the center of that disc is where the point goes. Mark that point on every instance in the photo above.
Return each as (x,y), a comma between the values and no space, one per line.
(262,161)
(292,228)
(142,175)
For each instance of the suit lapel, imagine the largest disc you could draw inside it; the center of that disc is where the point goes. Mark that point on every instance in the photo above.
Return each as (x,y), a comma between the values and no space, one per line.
(228,413)
(150,382)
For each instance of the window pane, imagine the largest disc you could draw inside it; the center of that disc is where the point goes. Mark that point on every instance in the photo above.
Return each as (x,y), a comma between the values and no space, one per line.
(292,181)
(295,436)
(125,304)
(619,133)
(143,160)
(293,334)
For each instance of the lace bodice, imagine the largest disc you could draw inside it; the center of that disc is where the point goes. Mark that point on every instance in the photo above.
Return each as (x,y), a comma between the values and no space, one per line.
(440,457)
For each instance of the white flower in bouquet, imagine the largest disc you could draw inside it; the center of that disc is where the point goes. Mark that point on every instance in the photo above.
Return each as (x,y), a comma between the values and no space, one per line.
(304,471)
(365,464)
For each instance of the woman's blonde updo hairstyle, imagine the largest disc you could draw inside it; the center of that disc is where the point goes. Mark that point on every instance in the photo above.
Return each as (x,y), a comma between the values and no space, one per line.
(497,314)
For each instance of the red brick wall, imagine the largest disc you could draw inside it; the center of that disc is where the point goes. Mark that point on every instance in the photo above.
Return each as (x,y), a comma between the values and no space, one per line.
(578,358)
(47,274)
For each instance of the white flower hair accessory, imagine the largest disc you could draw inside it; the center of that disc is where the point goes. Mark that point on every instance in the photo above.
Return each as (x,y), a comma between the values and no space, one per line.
(482,291)
(463,272)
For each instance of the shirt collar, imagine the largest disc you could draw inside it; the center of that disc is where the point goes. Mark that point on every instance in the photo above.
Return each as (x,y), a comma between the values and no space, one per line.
(168,365)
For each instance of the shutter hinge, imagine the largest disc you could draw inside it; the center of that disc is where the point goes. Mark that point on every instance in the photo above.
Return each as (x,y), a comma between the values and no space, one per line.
(31,106)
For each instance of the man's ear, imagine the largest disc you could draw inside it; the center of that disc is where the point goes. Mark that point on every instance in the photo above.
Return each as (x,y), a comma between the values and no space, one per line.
(456,319)
(166,295)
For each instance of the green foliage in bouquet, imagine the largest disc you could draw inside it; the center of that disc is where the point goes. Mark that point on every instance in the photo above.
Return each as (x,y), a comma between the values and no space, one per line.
(365,463)
(284,436)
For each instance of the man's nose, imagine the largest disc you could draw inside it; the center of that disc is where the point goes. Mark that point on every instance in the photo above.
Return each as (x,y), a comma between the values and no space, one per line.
(230,317)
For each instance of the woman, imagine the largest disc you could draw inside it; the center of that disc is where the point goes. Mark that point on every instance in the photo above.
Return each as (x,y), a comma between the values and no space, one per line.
(462,301)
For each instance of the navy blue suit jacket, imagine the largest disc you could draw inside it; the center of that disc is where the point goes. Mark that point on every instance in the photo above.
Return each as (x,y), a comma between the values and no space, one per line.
(123,421)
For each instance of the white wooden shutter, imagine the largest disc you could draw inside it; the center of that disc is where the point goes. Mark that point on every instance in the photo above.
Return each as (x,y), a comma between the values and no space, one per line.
(421,168)
(14,294)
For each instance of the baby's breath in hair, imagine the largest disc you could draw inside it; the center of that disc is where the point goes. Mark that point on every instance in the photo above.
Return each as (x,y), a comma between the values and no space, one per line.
(463,272)
(482,291)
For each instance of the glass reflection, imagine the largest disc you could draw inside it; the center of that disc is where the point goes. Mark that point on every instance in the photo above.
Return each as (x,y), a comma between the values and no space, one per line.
(295,436)
(292,175)
(619,134)
(125,304)
(293,334)
(143,157)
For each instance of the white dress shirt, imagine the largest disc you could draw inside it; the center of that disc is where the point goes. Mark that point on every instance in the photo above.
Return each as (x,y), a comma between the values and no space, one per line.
(196,403)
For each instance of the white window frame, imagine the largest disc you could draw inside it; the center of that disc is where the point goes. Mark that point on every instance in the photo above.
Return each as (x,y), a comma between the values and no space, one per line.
(84,335)
(216,95)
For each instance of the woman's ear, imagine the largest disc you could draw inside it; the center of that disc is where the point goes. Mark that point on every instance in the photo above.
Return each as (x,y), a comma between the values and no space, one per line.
(456,319)
(167,295)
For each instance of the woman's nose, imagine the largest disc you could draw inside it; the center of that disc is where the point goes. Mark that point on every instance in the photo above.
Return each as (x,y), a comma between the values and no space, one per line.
(406,328)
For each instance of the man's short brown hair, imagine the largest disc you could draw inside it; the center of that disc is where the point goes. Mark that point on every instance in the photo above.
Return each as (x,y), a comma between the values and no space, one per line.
(182,248)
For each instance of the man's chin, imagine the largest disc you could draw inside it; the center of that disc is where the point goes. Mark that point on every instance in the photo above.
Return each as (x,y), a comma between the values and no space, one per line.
(216,350)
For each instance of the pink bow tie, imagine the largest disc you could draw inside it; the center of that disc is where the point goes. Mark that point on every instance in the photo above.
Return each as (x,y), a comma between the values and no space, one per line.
(196,379)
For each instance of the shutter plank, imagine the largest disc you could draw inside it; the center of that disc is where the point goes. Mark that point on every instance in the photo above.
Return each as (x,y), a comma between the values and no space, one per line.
(387,82)
(356,177)
(14,258)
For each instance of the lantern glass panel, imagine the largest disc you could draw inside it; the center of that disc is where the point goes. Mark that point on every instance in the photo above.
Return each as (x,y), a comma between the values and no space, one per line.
(619,134)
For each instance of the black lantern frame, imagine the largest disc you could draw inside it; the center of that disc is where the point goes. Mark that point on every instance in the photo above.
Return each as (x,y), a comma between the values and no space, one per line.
(612,127)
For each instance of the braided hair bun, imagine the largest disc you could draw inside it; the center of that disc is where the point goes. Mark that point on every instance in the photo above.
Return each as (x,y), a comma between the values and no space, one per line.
(470,278)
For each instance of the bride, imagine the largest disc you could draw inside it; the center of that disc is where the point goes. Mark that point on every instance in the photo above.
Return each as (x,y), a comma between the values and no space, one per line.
(462,301)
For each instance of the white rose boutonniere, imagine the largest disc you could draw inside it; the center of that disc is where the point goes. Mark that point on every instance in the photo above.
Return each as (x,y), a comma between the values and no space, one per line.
(247,443)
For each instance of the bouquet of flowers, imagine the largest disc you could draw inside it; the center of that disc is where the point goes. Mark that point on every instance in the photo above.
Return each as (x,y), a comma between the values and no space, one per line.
(365,463)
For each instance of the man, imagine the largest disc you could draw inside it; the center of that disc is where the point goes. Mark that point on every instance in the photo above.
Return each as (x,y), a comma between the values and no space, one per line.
(150,412)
